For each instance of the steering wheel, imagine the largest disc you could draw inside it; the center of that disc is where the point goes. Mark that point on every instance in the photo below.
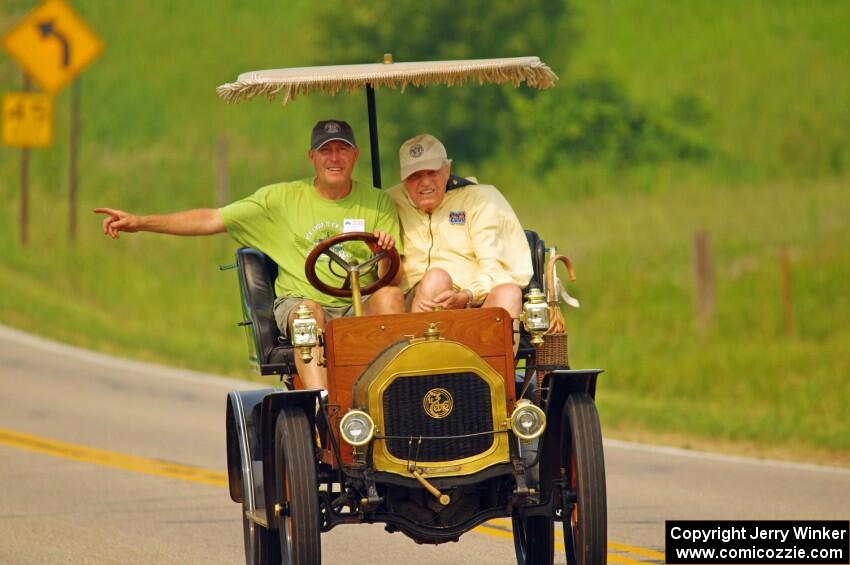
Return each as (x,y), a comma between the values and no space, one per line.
(324,248)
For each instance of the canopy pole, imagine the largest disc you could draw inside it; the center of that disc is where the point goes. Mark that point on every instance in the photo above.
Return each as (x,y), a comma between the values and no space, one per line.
(373,136)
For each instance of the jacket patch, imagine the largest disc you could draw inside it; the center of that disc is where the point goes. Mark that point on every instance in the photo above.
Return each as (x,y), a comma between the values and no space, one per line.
(457,218)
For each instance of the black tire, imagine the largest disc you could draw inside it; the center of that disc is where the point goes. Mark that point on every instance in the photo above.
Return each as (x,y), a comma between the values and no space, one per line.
(296,488)
(262,546)
(251,535)
(586,526)
(250,530)
(269,549)
(534,539)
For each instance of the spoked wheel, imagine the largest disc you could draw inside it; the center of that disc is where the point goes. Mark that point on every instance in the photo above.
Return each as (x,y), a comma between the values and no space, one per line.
(262,546)
(534,539)
(296,488)
(583,465)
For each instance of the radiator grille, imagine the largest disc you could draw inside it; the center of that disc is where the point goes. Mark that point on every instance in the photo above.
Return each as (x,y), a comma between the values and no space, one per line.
(406,418)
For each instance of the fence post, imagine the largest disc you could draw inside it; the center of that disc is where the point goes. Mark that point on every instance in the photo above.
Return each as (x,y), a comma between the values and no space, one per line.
(73,168)
(703,280)
(24,213)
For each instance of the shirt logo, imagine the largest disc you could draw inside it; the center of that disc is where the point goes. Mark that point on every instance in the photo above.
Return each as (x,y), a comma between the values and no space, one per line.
(332,127)
(416,150)
(457,218)
(321,232)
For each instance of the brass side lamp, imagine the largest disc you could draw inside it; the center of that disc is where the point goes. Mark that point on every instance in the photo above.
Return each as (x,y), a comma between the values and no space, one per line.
(305,332)
(535,315)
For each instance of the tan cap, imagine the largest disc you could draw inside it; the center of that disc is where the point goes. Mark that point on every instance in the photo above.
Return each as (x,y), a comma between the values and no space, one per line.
(421,153)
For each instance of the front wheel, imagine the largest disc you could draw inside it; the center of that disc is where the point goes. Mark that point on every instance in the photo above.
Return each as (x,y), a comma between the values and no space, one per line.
(583,466)
(296,488)
(534,539)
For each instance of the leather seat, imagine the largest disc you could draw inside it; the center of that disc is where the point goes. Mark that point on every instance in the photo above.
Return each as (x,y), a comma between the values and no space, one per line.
(257,273)
(538,262)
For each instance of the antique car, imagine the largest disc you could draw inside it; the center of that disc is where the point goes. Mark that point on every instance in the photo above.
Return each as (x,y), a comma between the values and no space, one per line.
(431,424)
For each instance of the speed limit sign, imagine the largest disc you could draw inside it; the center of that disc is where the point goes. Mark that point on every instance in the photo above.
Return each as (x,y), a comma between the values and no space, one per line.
(27,120)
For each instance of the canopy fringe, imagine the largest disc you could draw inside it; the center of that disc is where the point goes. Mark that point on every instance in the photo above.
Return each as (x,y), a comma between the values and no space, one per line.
(251,85)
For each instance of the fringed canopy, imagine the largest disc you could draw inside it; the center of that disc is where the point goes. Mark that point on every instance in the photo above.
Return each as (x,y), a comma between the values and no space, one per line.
(345,78)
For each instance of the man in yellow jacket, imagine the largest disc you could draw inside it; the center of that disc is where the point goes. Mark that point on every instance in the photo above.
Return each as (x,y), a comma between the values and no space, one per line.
(463,244)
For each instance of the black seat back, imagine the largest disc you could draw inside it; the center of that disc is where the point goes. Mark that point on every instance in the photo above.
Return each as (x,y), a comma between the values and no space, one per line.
(538,262)
(538,259)
(267,350)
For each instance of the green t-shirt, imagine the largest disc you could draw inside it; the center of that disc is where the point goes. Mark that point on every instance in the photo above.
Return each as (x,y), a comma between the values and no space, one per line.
(286,220)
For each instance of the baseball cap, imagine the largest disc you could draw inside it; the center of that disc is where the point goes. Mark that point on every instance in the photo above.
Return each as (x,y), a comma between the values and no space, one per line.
(420,153)
(330,130)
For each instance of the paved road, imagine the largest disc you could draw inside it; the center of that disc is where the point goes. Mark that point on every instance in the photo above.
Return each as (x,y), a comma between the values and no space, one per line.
(62,408)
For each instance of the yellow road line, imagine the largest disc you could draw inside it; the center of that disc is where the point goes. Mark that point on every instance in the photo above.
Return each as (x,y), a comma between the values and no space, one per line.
(500,532)
(636,550)
(500,528)
(111,458)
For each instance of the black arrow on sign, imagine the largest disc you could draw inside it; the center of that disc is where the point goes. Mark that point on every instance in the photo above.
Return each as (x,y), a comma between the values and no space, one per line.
(46,29)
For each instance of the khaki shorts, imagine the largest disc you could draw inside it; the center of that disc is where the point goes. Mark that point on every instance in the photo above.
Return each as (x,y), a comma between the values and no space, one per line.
(283,305)
(409,296)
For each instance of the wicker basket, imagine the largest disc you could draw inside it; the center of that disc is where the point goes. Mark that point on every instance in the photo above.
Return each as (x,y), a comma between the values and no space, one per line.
(551,355)
(553,352)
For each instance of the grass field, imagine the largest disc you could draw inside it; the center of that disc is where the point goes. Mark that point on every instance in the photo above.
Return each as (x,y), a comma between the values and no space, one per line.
(743,379)
(773,77)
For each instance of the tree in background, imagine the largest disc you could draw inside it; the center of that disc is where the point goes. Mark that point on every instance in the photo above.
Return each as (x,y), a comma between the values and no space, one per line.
(591,119)
(595,119)
(471,121)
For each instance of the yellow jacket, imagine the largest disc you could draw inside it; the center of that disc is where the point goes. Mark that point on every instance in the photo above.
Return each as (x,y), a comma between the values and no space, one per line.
(474,235)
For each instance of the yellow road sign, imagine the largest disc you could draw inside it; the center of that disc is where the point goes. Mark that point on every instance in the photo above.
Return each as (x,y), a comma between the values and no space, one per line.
(27,120)
(53,44)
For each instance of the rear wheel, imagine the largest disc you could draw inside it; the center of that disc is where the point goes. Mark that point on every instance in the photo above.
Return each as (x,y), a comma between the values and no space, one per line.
(269,548)
(296,488)
(533,539)
(262,546)
(583,465)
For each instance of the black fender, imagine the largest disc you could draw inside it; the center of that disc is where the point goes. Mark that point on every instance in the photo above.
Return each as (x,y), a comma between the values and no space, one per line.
(561,384)
(272,404)
(243,446)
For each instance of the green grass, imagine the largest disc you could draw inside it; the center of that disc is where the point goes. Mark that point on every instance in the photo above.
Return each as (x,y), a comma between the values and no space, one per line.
(773,76)
(743,379)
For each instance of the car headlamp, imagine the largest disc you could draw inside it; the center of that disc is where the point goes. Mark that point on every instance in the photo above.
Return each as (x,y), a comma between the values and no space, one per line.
(356,428)
(535,315)
(528,421)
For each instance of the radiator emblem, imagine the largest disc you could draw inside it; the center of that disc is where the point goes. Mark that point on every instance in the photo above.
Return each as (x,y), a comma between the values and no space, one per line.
(438,403)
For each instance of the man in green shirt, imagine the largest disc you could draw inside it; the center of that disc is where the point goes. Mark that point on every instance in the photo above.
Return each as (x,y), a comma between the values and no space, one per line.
(286,220)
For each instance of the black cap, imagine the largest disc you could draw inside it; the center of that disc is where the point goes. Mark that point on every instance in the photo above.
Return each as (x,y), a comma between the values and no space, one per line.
(329,130)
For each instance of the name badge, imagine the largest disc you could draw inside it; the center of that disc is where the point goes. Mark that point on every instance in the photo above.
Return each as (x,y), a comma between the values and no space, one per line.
(350,225)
